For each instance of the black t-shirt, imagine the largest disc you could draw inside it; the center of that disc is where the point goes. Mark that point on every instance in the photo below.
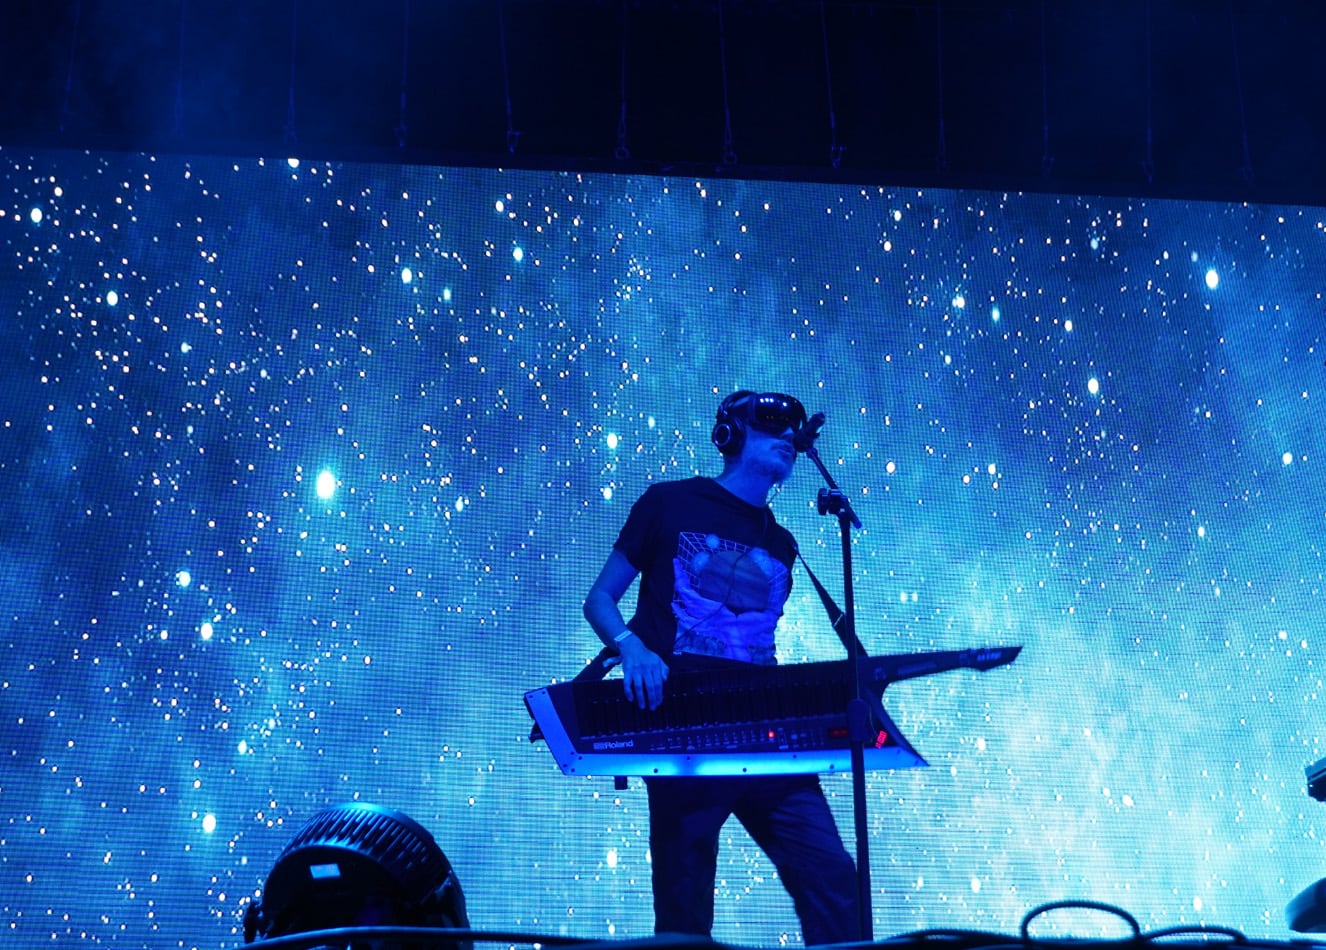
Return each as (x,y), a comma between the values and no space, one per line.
(715,571)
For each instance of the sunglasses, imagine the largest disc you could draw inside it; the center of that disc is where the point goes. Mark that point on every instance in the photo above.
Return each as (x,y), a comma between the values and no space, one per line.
(773,413)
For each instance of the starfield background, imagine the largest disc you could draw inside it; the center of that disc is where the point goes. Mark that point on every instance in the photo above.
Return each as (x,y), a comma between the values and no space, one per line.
(308,466)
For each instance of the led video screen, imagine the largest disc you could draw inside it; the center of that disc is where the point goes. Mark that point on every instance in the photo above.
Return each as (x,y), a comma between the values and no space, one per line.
(309,467)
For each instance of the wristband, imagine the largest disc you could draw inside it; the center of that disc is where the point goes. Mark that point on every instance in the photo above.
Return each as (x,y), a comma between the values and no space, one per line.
(628,632)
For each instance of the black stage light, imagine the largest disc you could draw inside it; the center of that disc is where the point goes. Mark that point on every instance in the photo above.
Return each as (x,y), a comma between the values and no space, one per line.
(359,865)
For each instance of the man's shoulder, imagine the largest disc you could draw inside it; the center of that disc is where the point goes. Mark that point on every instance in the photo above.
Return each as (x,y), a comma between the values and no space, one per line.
(681,487)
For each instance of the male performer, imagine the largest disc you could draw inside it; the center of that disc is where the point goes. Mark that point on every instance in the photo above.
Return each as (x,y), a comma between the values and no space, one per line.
(715,571)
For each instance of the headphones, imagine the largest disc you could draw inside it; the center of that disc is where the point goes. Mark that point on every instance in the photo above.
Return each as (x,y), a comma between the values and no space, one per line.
(773,413)
(729,433)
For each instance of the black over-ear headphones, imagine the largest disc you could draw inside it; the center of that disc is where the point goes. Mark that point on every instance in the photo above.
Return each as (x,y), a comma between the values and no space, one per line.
(729,433)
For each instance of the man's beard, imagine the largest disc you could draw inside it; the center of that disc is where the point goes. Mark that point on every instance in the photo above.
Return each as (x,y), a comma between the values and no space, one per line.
(776,468)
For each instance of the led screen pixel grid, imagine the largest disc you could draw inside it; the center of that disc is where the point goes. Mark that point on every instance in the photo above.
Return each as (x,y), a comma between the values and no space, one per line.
(309,466)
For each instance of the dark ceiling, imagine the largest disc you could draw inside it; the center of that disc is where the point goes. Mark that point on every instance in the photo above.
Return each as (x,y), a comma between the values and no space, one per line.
(1201,98)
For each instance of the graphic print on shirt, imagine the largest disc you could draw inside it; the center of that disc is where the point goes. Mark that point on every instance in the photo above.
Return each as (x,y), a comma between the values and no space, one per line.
(728,598)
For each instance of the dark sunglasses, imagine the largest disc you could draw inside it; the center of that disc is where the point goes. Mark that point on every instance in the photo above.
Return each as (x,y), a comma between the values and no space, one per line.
(774,413)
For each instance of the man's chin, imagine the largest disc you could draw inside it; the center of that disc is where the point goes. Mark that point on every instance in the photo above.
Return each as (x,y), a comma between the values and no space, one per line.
(779,470)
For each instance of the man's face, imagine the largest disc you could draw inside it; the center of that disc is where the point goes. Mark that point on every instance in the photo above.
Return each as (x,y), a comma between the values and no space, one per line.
(769,454)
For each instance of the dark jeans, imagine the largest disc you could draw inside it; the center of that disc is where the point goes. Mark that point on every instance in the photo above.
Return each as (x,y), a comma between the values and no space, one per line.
(788,818)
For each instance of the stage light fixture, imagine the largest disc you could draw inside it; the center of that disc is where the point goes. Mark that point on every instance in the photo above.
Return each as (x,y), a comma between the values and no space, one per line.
(359,865)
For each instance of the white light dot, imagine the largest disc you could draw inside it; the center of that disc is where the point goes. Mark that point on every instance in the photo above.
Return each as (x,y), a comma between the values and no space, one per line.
(407,275)
(1201,531)
(36,216)
(460,504)
(1068,326)
(994,314)
(243,747)
(612,440)
(183,578)
(205,631)
(1212,279)
(991,469)
(500,205)
(1093,386)
(1287,458)
(890,467)
(518,253)
(185,348)
(607,493)
(611,858)
(326,485)
(209,823)
(959,302)
(446,295)
(292,162)
(975,885)
(112,298)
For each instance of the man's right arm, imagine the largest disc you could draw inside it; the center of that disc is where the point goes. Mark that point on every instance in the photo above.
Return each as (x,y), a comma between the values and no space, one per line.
(643,670)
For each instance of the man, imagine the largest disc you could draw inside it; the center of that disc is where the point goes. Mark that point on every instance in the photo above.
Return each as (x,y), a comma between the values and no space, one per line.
(715,571)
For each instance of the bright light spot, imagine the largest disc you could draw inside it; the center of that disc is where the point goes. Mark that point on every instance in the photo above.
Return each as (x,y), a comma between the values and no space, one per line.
(897,216)
(607,493)
(518,253)
(1196,903)
(959,302)
(292,162)
(948,359)
(890,467)
(975,885)
(991,469)
(186,348)
(1127,801)
(1095,244)
(209,823)
(500,205)
(407,275)
(1068,326)
(183,578)
(460,504)
(1201,531)
(446,295)
(611,858)
(994,314)
(1093,386)
(36,216)
(243,747)
(1287,458)
(612,440)
(112,298)
(205,631)
(326,484)
(650,422)
(1212,279)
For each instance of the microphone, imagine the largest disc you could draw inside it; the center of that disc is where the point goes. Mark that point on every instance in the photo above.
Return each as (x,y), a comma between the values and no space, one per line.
(808,433)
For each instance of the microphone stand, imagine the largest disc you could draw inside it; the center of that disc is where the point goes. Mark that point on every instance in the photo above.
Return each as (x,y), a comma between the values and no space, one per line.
(832,501)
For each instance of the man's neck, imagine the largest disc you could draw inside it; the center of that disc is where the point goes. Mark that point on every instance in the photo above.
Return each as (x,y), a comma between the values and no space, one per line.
(749,486)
